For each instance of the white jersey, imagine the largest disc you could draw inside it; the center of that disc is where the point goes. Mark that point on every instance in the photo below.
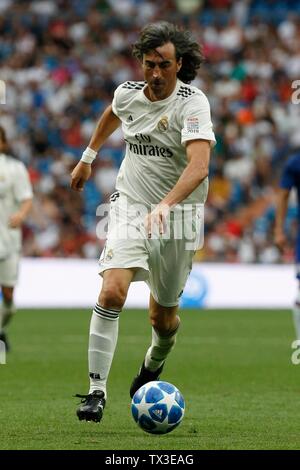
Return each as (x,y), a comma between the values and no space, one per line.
(15,187)
(156,134)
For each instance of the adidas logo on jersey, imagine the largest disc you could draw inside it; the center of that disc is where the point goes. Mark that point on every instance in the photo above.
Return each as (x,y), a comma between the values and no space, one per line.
(130,118)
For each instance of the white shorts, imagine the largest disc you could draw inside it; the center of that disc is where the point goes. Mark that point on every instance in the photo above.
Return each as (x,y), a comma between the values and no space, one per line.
(9,269)
(163,262)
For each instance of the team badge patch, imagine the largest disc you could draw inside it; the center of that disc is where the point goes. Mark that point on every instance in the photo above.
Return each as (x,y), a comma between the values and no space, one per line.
(109,255)
(193,125)
(163,124)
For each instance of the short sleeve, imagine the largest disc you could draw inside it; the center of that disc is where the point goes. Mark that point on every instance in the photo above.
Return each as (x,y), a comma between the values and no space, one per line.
(196,120)
(115,101)
(22,186)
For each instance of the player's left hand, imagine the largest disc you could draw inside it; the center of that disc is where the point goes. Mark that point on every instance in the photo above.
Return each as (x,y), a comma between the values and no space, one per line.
(15,220)
(157,219)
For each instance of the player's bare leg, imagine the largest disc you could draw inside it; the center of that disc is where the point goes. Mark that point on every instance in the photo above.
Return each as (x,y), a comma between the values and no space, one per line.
(7,310)
(8,304)
(103,340)
(165,323)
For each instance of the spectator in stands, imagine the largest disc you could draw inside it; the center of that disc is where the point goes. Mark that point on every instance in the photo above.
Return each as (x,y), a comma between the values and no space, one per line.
(61,61)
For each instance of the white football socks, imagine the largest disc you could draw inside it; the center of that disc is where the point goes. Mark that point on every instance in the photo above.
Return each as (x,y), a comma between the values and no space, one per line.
(102,344)
(160,347)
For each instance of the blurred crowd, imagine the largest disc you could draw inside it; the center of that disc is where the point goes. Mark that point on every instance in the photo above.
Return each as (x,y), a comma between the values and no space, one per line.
(61,61)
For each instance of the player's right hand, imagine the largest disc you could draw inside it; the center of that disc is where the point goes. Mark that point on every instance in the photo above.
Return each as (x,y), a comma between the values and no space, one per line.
(80,175)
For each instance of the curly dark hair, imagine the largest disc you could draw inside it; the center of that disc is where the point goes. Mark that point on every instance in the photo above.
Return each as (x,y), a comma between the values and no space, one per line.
(156,34)
(3,135)
(3,140)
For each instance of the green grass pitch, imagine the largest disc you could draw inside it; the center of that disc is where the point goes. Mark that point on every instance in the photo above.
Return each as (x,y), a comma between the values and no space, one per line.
(233,367)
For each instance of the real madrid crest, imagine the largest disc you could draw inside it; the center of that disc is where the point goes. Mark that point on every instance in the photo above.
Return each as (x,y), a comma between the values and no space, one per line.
(109,255)
(163,124)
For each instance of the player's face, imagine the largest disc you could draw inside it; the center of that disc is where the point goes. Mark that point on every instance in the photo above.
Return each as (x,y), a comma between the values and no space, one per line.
(160,69)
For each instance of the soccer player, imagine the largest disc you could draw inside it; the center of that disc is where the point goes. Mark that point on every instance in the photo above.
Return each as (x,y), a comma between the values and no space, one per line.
(290,179)
(15,204)
(168,133)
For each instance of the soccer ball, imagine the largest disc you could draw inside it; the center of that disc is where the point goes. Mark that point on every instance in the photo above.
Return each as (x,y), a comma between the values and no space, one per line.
(158,407)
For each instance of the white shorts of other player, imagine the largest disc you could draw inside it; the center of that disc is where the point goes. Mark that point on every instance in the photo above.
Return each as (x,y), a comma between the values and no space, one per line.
(9,269)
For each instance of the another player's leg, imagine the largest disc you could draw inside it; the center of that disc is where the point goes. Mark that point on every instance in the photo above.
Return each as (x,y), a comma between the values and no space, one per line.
(103,339)
(7,305)
(165,323)
(7,309)
(8,280)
